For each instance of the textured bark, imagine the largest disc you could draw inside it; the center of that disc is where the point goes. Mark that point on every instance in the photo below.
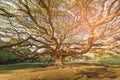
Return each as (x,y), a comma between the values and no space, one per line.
(58,61)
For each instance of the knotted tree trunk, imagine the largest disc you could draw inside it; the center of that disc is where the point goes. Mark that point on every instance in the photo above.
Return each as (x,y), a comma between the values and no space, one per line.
(58,61)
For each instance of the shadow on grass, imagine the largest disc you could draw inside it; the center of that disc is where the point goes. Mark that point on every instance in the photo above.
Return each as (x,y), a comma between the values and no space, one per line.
(21,66)
(8,68)
(97,73)
(32,65)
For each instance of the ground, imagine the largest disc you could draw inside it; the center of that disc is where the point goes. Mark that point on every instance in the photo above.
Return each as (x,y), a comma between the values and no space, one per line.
(68,72)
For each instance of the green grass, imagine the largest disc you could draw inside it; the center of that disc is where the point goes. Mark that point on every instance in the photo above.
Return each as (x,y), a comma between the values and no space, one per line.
(72,72)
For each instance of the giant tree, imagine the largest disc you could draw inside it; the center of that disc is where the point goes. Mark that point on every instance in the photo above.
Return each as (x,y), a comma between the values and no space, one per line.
(59,28)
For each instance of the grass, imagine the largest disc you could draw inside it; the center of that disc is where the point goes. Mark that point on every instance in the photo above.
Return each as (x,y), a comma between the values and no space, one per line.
(71,72)
(20,66)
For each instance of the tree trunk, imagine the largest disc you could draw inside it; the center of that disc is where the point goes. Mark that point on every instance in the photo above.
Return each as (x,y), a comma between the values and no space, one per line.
(58,61)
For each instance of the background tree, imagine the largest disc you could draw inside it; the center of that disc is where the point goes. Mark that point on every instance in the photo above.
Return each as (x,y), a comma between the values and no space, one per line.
(59,28)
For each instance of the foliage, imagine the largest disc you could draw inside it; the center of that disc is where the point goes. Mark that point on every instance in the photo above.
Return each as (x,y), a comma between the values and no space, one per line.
(42,59)
(6,54)
(68,59)
(48,59)
(107,57)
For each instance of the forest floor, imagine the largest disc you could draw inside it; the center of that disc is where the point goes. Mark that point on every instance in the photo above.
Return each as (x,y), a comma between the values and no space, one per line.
(68,72)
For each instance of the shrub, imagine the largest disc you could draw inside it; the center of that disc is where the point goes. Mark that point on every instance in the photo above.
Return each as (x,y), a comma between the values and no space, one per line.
(107,57)
(68,59)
